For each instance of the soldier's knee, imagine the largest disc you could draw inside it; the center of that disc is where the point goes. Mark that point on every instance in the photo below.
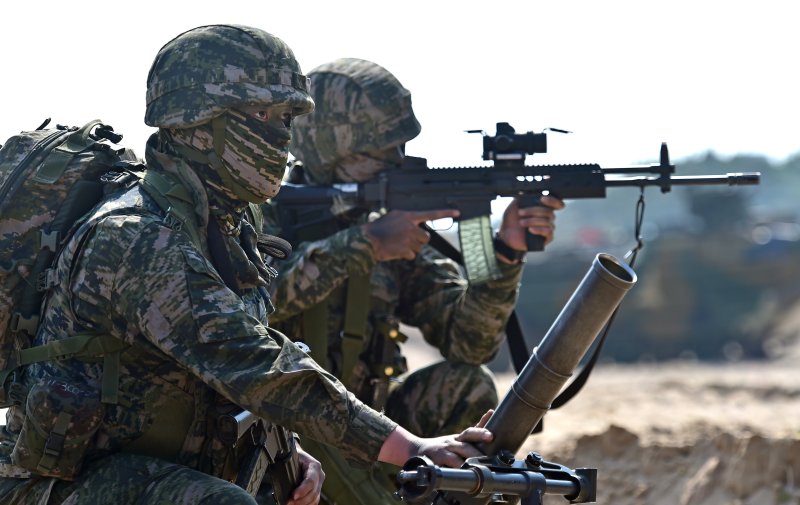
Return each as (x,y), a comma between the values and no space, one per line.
(232,495)
(474,376)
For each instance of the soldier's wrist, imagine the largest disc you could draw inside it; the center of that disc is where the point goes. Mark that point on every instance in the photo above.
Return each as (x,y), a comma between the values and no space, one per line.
(506,253)
(399,446)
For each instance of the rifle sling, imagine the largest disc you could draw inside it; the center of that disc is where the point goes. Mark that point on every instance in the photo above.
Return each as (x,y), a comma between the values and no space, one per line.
(315,332)
(515,337)
(354,334)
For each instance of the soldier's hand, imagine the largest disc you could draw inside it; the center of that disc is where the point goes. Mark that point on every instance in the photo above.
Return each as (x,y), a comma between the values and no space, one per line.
(484,419)
(450,450)
(453,450)
(397,235)
(310,489)
(538,220)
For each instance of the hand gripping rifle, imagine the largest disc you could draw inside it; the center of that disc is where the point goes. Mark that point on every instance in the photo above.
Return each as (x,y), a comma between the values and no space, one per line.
(269,451)
(499,477)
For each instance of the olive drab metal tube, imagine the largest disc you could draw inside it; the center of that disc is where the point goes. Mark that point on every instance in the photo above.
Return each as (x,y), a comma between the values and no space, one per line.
(559,353)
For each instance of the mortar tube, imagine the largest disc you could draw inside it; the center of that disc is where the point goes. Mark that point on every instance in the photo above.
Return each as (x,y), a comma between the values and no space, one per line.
(558,354)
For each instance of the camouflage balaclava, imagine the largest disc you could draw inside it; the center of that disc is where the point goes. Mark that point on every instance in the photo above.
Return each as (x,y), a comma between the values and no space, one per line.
(363,116)
(196,87)
(249,157)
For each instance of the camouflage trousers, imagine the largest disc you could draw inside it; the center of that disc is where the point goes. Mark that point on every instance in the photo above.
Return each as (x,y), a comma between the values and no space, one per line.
(126,479)
(440,399)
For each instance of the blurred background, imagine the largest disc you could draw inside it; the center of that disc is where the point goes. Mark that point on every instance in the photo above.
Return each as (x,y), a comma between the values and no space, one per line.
(714,79)
(697,398)
(718,273)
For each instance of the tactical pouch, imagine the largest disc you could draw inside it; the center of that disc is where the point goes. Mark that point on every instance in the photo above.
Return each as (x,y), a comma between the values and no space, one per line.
(60,423)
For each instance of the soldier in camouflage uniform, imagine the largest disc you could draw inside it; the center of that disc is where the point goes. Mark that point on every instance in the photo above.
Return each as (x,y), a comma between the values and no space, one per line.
(348,285)
(178,299)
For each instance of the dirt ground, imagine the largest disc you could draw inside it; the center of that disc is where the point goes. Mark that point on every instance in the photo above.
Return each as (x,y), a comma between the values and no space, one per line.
(680,433)
(684,434)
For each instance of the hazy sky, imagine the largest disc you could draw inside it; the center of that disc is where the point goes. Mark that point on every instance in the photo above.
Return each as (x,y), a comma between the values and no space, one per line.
(622,75)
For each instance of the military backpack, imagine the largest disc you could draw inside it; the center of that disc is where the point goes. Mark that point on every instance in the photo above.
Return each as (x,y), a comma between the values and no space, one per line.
(49,179)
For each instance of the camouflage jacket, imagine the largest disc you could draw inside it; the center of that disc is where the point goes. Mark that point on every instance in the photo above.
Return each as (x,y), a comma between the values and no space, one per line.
(194,343)
(466,323)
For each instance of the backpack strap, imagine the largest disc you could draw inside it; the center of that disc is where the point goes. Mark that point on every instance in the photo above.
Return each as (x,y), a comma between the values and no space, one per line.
(354,335)
(57,160)
(81,197)
(87,345)
(173,198)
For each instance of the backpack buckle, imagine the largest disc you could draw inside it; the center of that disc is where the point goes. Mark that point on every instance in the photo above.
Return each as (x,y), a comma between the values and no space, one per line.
(114,180)
(47,280)
(173,221)
(48,240)
(27,324)
(54,444)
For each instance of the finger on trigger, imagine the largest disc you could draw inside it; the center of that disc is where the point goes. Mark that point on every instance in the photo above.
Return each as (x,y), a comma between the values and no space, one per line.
(545,212)
(424,237)
(552,202)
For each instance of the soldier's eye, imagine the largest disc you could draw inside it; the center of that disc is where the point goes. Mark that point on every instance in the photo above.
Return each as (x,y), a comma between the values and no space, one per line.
(261,115)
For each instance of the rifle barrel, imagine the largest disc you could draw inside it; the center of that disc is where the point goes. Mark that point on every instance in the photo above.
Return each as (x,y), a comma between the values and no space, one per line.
(729,179)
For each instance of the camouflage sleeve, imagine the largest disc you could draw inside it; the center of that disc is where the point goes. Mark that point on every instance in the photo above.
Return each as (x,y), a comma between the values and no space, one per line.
(466,323)
(314,269)
(162,290)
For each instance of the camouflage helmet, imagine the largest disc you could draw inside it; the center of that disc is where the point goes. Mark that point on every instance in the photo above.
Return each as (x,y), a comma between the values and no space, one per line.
(360,107)
(204,71)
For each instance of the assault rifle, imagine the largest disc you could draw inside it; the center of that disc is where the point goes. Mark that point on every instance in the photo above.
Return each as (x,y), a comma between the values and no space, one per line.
(270,451)
(499,477)
(415,186)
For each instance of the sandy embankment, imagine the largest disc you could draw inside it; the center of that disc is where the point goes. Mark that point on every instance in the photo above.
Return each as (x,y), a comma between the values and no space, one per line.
(679,433)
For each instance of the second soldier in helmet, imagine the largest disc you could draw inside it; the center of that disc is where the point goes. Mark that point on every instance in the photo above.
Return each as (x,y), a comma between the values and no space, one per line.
(348,285)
